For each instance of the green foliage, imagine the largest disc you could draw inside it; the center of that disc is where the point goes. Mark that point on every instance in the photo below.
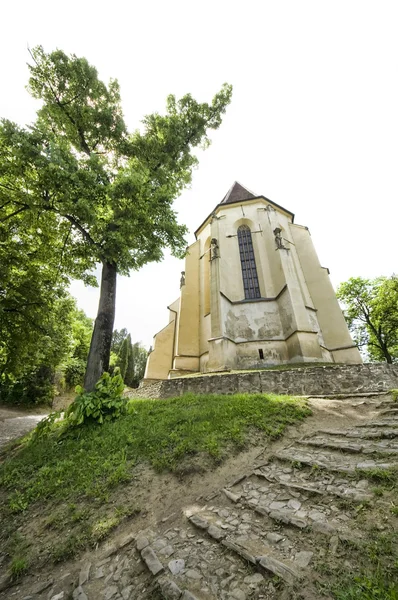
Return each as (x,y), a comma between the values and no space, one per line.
(394,394)
(75,365)
(372,315)
(78,189)
(19,566)
(368,588)
(130,358)
(124,353)
(117,340)
(104,403)
(57,338)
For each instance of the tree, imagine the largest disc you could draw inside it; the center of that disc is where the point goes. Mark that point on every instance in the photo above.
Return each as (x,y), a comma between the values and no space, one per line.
(130,358)
(123,357)
(117,339)
(372,314)
(79,168)
(74,366)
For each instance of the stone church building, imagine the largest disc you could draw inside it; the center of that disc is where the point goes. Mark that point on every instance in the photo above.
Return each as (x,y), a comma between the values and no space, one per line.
(253,294)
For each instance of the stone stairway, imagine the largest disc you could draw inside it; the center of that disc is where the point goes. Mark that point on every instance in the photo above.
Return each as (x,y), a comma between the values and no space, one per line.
(259,537)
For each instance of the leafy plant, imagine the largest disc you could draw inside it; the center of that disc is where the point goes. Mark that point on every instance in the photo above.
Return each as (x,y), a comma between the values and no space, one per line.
(104,403)
(18,567)
(394,394)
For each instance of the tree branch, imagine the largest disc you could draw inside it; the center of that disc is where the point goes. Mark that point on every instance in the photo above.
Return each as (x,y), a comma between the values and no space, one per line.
(14,213)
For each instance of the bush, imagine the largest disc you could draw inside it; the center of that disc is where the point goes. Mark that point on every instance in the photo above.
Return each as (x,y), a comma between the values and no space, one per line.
(74,372)
(36,387)
(103,404)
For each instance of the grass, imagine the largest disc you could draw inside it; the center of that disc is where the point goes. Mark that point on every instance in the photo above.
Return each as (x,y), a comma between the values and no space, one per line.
(70,477)
(394,394)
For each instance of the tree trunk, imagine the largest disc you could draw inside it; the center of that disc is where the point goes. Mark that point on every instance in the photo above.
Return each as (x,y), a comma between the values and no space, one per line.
(387,355)
(100,347)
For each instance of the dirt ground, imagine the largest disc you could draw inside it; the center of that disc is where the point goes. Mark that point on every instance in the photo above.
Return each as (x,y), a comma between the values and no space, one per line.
(164,500)
(16,422)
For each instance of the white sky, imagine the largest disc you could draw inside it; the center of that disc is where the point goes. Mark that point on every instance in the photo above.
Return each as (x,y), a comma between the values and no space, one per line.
(313,123)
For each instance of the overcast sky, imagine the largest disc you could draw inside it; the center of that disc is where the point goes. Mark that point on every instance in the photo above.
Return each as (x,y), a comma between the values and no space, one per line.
(313,123)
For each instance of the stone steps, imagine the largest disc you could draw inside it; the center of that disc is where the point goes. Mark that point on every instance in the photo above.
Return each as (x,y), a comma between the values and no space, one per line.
(300,503)
(363,433)
(303,481)
(336,461)
(249,546)
(361,446)
(380,423)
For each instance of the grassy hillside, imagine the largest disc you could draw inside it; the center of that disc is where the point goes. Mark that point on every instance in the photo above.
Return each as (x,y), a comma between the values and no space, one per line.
(64,489)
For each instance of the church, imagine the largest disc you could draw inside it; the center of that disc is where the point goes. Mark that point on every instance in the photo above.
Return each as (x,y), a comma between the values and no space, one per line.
(253,295)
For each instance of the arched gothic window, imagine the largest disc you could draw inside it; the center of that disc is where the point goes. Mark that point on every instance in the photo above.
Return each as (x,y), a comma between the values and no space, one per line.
(248,263)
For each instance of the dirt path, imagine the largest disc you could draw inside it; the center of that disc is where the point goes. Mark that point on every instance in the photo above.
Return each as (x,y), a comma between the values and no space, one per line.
(16,422)
(271,523)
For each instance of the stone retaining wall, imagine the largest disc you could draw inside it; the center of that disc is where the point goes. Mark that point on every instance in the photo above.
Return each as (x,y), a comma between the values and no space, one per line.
(337,379)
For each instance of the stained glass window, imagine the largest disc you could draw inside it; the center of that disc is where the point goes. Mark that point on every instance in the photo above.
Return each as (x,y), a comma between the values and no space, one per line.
(248,263)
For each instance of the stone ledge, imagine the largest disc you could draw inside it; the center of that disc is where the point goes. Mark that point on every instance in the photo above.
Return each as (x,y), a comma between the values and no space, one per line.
(307,381)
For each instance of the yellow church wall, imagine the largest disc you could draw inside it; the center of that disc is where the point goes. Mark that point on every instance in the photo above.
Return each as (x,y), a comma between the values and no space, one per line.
(160,359)
(214,327)
(329,314)
(188,326)
(248,357)
(249,321)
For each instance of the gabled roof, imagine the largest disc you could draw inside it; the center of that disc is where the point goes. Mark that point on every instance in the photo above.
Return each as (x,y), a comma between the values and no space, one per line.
(238,193)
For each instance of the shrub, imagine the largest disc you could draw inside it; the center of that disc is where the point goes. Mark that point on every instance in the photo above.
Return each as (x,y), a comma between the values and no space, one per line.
(104,403)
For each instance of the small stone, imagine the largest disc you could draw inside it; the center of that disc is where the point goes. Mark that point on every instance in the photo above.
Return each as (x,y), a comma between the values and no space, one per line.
(169,589)
(216,533)
(294,504)
(110,592)
(167,551)
(188,596)
(254,579)
(278,568)
(126,593)
(274,538)
(59,596)
(159,544)
(193,574)
(238,594)
(199,522)
(142,542)
(151,560)
(99,573)
(223,513)
(315,515)
(362,484)
(303,558)
(176,566)
(233,497)
(78,594)
(41,586)
(127,539)
(103,562)
(84,573)
(277,505)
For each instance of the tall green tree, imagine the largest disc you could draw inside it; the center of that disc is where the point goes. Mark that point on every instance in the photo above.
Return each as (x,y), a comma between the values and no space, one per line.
(372,314)
(80,168)
(117,339)
(124,354)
